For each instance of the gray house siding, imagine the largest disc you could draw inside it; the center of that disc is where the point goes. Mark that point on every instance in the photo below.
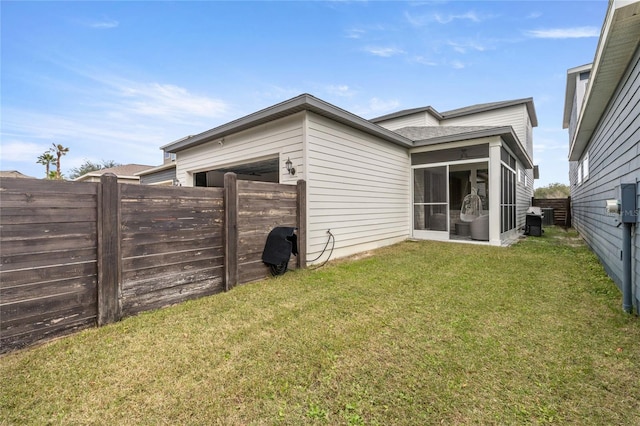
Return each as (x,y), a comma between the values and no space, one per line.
(161,176)
(614,158)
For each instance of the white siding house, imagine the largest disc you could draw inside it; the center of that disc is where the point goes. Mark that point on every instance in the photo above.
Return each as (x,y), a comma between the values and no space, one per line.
(602,113)
(362,174)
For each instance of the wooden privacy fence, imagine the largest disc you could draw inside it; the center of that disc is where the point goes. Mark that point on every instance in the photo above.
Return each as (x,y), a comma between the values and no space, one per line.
(561,209)
(79,254)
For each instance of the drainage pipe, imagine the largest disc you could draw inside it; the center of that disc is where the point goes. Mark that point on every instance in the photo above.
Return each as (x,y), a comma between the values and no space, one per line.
(627,293)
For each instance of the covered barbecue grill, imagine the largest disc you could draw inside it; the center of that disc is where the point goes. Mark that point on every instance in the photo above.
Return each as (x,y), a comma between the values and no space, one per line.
(533,224)
(281,242)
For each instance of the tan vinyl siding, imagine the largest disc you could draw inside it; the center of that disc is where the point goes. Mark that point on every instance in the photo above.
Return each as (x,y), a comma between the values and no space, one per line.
(418,119)
(281,138)
(358,188)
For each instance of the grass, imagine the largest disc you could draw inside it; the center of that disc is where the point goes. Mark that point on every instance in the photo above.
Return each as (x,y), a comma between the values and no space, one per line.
(416,333)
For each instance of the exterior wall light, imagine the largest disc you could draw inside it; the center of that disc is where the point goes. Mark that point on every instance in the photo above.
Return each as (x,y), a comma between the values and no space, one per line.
(290,168)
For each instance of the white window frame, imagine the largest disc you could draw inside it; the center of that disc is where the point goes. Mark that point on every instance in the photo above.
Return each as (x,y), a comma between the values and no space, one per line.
(585,166)
(580,173)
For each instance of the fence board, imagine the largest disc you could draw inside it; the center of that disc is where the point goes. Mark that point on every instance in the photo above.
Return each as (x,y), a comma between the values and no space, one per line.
(160,247)
(21,232)
(170,258)
(174,281)
(15,293)
(166,296)
(43,259)
(16,216)
(39,200)
(47,325)
(51,187)
(49,243)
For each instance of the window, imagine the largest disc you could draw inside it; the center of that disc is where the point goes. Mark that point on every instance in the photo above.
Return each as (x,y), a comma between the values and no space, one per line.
(508,193)
(585,166)
(579,174)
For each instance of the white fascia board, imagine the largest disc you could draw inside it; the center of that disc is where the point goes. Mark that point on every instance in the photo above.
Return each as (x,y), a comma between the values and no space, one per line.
(621,29)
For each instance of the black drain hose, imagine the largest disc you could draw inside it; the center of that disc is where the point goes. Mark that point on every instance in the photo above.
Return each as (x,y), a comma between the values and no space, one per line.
(332,239)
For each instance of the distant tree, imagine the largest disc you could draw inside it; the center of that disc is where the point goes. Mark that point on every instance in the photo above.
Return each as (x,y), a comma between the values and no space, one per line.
(89,166)
(59,151)
(553,190)
(46,159)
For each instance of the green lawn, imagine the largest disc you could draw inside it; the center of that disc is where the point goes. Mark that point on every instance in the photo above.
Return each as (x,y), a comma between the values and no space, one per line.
(416,333)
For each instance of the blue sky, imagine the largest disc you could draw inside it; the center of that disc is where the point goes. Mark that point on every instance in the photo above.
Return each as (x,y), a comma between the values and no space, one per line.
(117,80)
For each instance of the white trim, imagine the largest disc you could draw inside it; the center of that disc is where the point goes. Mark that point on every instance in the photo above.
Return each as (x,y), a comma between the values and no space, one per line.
(448,145)
(451,163)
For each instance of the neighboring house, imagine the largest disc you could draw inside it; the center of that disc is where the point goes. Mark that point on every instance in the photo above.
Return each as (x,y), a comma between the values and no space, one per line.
(377,182)
(14,174)
(164,174)
(125,173)
(602,113)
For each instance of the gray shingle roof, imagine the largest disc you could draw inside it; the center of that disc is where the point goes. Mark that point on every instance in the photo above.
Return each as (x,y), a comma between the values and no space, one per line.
(424,133)
(473,109)
(123,170)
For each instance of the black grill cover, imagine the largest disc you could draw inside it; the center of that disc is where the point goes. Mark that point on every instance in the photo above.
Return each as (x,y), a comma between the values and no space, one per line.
(281,242)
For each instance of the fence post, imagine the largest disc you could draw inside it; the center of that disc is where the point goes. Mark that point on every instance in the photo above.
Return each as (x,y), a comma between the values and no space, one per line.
(230,231)
(301,222)
(108,249)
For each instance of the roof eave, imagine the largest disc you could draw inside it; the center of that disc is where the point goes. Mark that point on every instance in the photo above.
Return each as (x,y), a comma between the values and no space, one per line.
(156,169)
(608,68)
(528,102)
(304,102)
(407,112)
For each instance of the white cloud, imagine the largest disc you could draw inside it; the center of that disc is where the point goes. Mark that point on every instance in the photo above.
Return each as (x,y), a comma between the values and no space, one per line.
(127,123)
(457,65)
(384,52)
(445,19)
(168,101)
(17,150)
(422,20)
(110,23)
(534,15)
(340,90)
(562,33)
(355,33)
(424,61)
(464,47)
(103,24)
(378,105)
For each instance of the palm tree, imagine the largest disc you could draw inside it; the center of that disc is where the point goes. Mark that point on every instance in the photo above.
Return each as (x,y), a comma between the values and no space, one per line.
(46,159)
(59,150)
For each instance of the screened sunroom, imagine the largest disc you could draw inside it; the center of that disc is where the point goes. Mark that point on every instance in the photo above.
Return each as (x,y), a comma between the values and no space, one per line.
(468,191)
